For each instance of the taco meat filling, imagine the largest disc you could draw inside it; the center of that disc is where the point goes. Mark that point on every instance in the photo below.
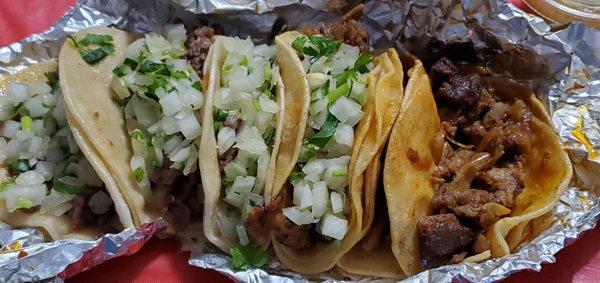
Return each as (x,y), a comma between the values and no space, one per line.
(161,94)
(198,42)
(481,168)
(47,171)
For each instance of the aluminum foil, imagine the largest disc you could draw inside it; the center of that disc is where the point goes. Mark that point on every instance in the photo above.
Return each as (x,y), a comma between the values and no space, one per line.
(563,67)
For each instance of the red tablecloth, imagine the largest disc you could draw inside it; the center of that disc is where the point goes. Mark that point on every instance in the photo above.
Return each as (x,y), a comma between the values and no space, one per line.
(161,260)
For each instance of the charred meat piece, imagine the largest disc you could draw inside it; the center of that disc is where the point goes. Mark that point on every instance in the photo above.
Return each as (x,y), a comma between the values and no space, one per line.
(444,67)
(461,91)
(198,43)
(440,236)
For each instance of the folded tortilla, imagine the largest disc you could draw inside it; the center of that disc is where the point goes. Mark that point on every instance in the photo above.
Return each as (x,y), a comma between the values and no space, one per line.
(60,227)
(409,188)
(90,97)
(214,203)
(384,90)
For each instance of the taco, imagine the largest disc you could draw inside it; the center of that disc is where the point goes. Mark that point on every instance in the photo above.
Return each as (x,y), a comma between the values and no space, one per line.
(469,169)
(138,108)
(313,210)
(47,180)
(242,122)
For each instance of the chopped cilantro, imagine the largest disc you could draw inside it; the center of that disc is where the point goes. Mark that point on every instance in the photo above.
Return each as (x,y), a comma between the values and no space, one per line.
(339,173)
(71,189)
(52,78)
(149,67)
(362,62)
(197,85)
(338,92)
(321,138)
(247,256)
(294,176)
(218,126)
(139,135)
(104,47)
(315,45)
(179,75)
(138,173)
(222,114)
(256,104)
(26,122)
(6,183)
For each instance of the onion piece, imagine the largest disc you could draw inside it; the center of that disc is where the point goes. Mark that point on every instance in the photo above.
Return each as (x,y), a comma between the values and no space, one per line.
(346,111)
(333,226)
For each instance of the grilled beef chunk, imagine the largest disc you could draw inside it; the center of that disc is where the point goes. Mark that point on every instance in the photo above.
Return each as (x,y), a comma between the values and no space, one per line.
(444,67)
(177,196)
(263,220)
(440,236)
(461,91)
(198,43)
(481,165)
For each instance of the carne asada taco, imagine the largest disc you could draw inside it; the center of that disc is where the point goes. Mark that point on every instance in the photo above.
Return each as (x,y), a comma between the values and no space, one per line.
(139,109)
(468,169)
(47,180)
(243,118)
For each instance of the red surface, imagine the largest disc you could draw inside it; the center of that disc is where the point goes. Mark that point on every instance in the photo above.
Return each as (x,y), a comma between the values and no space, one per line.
(161,260)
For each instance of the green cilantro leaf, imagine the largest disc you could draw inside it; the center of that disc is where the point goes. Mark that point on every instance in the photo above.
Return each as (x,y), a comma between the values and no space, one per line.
(247,256)
(104,48)
(71,189)
(52,78)
(138,173)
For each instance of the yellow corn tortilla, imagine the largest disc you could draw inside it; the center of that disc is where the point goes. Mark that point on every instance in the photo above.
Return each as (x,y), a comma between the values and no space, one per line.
(209,166)
(373,135)
(380,111)
(52,226)
(408,187)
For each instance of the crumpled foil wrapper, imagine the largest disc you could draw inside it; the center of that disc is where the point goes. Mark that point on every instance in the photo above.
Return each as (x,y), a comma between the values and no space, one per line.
(563,67)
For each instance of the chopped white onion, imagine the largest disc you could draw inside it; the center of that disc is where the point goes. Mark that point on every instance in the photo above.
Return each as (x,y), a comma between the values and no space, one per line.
(306,197)
(242,235)
(299,217)
(188,125)
(344,134)
(316,80)
(267,105)
(250,140)
(171,104)
(321,199)
(346,111)
(337,204)
(30,178)
(333,226)
(225,139)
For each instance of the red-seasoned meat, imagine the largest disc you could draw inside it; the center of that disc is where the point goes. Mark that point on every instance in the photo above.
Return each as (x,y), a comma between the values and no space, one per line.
(442,235)
(198,43)
(350,32)
(262,221)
